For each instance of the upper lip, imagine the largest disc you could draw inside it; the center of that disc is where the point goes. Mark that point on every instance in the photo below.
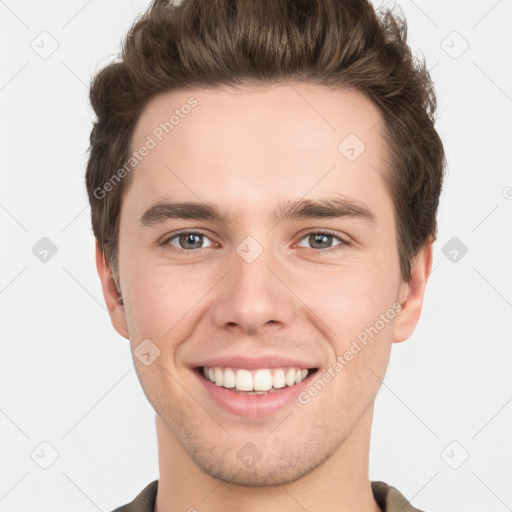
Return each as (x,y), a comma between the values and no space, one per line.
(262,361)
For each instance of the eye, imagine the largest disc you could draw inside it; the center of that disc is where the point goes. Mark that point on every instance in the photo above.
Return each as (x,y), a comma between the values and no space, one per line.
(323,241)
(319,241)
(188,240)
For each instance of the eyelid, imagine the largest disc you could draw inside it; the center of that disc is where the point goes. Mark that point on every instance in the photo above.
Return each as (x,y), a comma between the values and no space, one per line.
(325,231)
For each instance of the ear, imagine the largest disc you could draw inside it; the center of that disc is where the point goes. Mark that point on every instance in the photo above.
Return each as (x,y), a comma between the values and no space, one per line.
(111,294)
(411,294)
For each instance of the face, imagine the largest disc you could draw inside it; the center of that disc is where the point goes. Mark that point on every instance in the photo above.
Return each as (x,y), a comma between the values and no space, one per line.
(286,259)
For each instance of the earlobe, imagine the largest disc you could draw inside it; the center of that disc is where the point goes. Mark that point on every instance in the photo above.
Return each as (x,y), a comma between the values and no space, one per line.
(111,294)
(411,294)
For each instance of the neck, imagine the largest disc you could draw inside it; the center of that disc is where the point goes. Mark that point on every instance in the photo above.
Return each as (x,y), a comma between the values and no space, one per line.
(340,484)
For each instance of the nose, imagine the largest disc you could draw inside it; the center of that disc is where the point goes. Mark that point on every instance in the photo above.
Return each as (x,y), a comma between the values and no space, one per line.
(254,297)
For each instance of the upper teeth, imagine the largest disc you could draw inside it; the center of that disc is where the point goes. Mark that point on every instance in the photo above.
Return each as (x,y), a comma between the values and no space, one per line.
(254,380)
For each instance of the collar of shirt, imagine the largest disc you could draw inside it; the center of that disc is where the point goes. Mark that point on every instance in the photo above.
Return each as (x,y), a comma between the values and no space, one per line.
(387,497)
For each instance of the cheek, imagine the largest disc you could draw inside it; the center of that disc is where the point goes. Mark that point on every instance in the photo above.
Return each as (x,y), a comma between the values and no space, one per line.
(161,299)
(348,299)
(357,318)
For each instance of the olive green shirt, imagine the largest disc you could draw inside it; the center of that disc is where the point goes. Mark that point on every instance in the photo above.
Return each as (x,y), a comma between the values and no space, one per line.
(387,497)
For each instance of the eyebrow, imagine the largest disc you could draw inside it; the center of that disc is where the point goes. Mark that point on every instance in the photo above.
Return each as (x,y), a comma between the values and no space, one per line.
(301,209)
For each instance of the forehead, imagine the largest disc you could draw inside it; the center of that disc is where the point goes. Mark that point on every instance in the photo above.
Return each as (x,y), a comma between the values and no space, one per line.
(250,145)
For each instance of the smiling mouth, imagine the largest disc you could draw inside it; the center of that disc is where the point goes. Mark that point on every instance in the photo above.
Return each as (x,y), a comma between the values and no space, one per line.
(255,382)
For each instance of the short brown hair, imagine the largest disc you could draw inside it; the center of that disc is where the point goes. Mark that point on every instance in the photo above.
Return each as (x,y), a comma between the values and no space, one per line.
(336,43)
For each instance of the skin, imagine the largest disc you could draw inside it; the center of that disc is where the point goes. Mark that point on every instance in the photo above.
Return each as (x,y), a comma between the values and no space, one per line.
(248,150)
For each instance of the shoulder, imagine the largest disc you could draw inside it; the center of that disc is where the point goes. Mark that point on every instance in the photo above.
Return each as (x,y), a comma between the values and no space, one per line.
(390,499)
(143,502)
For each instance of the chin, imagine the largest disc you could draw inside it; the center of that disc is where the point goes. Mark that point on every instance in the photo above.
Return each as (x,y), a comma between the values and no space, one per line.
(240,462)
(273,473)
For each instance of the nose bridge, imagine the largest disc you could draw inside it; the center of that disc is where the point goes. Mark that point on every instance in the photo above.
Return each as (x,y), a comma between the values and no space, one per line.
(251,296)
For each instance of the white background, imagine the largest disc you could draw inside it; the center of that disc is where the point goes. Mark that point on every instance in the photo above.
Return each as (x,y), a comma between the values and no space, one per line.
(67,378)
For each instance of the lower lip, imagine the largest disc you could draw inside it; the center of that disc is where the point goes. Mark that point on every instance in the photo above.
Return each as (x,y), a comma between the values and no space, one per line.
(253,406)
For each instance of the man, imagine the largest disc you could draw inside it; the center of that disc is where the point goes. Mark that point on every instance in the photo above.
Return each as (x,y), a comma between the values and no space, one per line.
(264,177)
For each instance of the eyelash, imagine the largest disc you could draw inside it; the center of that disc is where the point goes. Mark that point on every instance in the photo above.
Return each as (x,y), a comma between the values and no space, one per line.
(190,252)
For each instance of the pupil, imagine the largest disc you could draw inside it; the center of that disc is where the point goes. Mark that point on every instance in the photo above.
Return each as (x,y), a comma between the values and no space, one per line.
(320,238)
(189,238)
